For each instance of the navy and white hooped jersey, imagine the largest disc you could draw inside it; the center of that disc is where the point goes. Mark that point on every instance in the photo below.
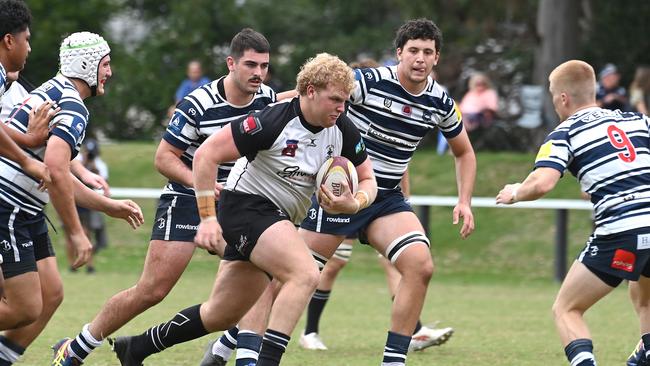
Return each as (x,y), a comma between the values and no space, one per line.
(200,114)
(393,121)
(3,80)
(608,151)
(19,189)
(281,155)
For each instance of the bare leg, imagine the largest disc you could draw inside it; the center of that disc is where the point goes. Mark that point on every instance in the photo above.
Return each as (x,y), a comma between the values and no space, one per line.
(580,290)
(151,288)
(52,295)
(21,307)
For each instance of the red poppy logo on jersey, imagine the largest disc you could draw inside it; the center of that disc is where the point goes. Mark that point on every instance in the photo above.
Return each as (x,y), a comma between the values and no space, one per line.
(406,110)
(623,260)
(290,150)
(251,125)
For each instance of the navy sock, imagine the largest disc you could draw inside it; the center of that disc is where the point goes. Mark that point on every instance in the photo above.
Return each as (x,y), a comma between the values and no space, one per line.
(397,345)
(315,310)
(9,351)
(184,326)
(248,348)
(646,343)
(273,346)
(580,352)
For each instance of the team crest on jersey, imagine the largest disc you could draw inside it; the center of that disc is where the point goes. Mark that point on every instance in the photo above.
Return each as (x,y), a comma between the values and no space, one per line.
(359,147)
(79,127)
(290,150)
(251,125)
(406,110)
(177,124)
(387,103)
(329,151)
(368,75)
(426,116)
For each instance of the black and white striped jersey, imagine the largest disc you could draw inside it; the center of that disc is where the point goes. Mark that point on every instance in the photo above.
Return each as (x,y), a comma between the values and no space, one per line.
(200,114)
(19,189)
(3,80)
(281,155)
(609,152)
(393,121)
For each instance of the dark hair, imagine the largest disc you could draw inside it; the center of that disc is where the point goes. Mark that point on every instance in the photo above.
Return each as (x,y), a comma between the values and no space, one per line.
(418,29)
(248,39)
(15,17)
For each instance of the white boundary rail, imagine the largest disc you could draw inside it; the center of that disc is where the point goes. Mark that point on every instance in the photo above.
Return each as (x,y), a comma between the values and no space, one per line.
(423,203)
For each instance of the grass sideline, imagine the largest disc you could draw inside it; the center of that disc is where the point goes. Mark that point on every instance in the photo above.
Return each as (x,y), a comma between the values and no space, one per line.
(495,288)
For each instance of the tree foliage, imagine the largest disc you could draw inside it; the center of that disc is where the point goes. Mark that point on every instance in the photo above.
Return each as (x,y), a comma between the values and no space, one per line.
(152,41)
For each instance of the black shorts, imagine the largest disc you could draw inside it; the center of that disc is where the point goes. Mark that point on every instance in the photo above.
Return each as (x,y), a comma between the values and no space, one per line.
(243,218)
(177,219)
(386,203)
(620,256)
(23,240)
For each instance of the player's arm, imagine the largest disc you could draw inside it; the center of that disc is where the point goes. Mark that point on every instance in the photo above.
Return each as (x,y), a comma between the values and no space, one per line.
(37,128)
(89,178)
(168,162)
(539,182)
(367,191)
(287,95)
(127,210)
(465,162)
(61,191)
(218,148)
(405,183)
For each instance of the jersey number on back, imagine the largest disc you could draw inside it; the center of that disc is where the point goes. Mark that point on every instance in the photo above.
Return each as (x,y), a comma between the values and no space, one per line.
(618,138)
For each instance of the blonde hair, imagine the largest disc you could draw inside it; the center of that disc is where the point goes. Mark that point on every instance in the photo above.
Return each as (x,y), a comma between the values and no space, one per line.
(324,70)
(477,78)
(575,78)
(366,63)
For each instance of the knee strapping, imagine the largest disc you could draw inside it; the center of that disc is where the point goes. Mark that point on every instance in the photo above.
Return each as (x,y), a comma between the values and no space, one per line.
(398,245)
(343,252)
(320,260)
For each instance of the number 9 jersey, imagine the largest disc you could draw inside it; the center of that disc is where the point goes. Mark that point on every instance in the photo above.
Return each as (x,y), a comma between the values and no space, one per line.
(608,152)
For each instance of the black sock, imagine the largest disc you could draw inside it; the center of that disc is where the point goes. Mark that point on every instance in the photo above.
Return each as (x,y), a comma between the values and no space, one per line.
(646,342)
(397,345)
(580,352)
(9,352)
(418,326)
(273,346)
(248,348)
(315,310)
(183,327)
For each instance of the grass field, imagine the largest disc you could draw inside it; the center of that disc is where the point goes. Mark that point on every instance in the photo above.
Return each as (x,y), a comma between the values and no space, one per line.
(495,288)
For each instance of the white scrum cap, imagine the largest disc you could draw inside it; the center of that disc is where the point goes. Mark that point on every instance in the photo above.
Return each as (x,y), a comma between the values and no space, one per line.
(80,54)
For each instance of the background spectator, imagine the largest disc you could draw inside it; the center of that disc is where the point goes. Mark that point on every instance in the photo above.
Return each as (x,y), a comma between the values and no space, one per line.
(640,90)
(194,80)
(610,94)
(480,104)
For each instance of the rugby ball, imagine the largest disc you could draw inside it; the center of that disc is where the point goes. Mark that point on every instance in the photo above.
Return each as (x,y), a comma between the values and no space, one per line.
(335,171)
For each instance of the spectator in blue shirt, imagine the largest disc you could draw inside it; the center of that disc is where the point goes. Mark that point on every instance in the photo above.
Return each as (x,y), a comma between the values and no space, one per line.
(194,80)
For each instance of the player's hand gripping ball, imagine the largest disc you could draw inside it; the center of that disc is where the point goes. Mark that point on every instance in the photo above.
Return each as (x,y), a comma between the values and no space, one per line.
(334,172)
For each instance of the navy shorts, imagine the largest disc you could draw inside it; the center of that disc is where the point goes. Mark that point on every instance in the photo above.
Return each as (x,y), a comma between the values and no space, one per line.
(386,203)
(620,256)
(23,240)
(177,219)
(243,218)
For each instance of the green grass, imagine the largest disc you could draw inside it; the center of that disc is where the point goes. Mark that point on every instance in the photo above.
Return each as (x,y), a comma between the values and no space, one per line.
(495,288)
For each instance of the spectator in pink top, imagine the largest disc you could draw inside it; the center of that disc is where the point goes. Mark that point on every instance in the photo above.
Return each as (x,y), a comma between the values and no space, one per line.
(480,103)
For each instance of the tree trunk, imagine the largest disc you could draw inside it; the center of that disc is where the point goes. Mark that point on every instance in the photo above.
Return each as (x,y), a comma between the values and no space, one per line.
(558,31)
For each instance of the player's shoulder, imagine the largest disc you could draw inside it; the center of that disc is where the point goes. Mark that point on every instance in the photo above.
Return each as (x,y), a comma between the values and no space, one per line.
(267,91)
(279,112)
